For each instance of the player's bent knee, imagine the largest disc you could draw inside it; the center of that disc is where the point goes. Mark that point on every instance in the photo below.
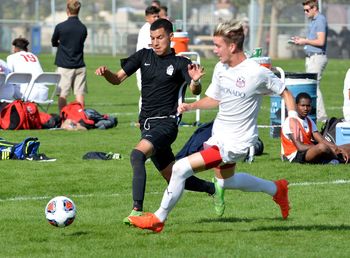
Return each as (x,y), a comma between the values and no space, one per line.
(137,157)
(182,169)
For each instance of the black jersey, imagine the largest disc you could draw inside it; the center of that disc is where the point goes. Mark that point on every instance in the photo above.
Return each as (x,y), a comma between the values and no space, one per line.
(162,78)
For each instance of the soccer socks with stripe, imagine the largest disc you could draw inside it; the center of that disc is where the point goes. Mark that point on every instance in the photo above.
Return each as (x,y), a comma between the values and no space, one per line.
(248,183)
(181,171)
(137,160)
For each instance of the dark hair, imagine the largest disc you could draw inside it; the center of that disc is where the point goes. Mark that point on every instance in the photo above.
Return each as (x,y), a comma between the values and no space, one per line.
(311,3)
(152,10)
(21,43)
(156,2)
(162,23)
(302,95)
(165,8)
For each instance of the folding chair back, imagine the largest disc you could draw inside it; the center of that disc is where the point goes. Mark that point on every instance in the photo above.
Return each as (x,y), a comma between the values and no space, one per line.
(17,78)
(49,79)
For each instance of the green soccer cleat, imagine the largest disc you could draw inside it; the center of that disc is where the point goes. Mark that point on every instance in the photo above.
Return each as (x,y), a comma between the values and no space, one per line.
(219,202)
(126,220)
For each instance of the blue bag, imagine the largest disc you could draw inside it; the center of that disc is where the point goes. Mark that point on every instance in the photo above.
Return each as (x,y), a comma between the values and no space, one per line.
(27,148)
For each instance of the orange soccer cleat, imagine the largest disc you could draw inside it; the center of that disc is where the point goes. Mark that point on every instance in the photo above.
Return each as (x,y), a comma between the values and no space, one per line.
(147,221)
(281,197)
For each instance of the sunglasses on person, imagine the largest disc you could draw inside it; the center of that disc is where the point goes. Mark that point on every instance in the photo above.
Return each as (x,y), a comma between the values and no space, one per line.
(306,10)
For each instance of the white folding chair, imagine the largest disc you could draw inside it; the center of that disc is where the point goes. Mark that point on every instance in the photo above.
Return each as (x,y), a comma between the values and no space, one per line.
(48,79)
(14,79)
(196,59)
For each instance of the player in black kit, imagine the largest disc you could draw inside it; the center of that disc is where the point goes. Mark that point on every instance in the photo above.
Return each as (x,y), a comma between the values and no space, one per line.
(162,73)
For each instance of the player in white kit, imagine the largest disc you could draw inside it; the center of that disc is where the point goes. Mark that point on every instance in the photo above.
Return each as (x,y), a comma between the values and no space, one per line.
(24,61)
(237,87)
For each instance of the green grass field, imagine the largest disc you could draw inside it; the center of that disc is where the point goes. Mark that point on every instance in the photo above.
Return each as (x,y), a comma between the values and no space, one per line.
(318,226)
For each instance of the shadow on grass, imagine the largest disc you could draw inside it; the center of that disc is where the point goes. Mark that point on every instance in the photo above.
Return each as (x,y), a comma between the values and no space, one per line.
(78,233)
(237,220)
(304,228)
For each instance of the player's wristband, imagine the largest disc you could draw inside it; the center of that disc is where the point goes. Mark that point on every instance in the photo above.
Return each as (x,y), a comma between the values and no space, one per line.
(292,113)
(195,83)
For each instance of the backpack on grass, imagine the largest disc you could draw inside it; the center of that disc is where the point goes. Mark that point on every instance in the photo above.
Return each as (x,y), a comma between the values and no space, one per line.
(20,115)
(87,118)
(329,128)
(25,149)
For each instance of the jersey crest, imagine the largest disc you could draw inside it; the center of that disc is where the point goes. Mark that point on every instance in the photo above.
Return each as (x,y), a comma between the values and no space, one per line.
(170,70)
(240,83)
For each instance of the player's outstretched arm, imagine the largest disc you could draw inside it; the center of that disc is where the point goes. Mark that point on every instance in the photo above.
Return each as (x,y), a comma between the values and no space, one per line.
(113,78)
(204,103)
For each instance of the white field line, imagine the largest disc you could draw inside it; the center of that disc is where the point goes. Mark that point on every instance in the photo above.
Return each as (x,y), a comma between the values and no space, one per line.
(35,198)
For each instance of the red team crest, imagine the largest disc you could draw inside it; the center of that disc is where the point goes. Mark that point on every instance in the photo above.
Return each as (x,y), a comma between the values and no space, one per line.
(240,83)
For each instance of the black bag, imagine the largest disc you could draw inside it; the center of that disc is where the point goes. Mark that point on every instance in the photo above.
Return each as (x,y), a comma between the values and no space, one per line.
(101,155)
(328,129)
(101,121)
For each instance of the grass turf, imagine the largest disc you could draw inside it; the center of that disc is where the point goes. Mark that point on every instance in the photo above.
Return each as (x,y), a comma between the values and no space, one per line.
(251,227)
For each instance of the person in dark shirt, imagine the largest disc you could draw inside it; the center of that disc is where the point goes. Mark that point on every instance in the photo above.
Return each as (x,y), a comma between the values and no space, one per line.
(69,37)
(163,74)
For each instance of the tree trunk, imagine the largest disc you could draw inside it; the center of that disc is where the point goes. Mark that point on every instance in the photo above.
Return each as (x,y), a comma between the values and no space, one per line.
(273,48)
(259,35)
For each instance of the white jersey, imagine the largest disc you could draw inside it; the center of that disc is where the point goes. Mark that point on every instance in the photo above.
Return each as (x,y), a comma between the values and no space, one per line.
(6,91)
(144,37)
(346,91)
(239,90)
(4,67)
(143,41)
(27,62)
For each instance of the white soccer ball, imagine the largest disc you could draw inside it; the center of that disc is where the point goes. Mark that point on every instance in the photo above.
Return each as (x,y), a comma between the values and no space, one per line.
(60,211)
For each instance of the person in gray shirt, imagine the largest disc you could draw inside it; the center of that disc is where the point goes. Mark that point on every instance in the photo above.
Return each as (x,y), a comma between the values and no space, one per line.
(315,46)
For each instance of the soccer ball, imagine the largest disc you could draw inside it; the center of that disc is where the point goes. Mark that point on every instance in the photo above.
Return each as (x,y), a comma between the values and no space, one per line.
(60,211)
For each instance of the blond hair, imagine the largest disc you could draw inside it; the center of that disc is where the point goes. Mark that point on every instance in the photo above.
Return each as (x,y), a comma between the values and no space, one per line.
(231,32)
(73,6)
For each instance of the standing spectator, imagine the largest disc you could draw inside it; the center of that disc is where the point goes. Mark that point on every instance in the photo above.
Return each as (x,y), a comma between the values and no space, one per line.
(315,46)
(144,38)
(24,61)
(69,37)
(237,87)
(346,92)
(163,74)
(163,14)
(344,36)
(156,3)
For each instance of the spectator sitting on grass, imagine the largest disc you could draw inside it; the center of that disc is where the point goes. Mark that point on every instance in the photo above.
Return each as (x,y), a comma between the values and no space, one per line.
(302,143)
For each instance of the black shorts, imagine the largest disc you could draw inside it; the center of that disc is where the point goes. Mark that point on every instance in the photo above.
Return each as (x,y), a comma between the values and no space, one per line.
(300,157)
(161,132)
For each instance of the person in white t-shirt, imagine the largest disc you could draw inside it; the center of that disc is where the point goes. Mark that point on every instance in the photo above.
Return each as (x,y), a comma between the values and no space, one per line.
(4,67)
(346,92)
(24,61)
(6,91)
(144,36)
(301,141)
(237,87)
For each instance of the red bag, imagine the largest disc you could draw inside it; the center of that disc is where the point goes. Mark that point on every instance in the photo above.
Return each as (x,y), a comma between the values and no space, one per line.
(20,115)
(75,112)
(33,116)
